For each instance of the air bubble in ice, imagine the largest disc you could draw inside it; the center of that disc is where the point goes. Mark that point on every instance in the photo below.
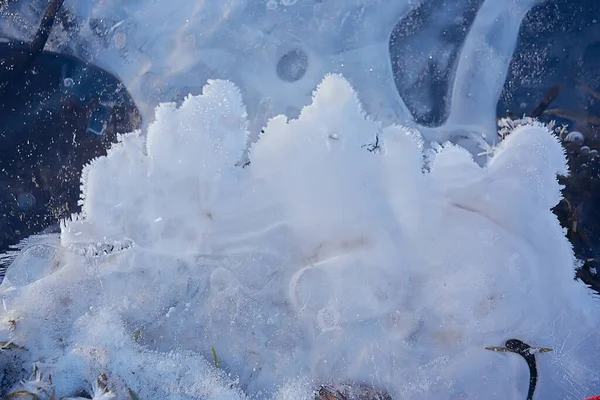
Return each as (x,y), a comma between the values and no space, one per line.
(120,40)
(68,82)
(292,65)
(575,137)
(584,150)
(26,201)
(310,290)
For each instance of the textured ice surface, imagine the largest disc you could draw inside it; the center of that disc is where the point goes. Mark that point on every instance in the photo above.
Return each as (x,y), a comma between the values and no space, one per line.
(277,51)
(319,262)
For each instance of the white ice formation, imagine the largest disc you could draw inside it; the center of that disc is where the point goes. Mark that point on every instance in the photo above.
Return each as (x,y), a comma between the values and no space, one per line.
(350,249)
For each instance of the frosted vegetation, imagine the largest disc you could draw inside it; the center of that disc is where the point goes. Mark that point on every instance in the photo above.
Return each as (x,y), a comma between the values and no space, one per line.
(350,249)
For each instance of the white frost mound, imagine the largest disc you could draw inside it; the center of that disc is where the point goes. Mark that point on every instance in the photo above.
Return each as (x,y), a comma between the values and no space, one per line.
(320,262)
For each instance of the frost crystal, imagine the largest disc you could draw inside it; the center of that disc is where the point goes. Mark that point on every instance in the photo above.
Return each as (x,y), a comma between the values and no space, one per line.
(319,262)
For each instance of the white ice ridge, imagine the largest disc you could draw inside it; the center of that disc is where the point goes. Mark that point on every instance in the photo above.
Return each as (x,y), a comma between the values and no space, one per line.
(319,262)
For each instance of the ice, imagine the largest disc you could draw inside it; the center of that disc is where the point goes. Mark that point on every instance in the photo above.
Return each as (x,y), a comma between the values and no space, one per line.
(249,42)
(277,51)
(321,261)
(350,249)
(483,64)
(424,46)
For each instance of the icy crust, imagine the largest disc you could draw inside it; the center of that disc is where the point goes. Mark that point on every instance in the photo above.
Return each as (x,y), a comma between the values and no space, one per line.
(164,49)
(320,262)
(244,41)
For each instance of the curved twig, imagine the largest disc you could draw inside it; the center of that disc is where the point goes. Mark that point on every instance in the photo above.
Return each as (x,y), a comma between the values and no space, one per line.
(23,61)
(41,36)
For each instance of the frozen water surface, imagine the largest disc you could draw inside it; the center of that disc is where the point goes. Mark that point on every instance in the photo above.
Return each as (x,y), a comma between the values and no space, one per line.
(320,261)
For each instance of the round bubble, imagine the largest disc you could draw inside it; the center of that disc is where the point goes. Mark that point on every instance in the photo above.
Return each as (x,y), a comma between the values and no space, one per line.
(26,201)
(575,137)
(585,150)
(292,65)
(311,289)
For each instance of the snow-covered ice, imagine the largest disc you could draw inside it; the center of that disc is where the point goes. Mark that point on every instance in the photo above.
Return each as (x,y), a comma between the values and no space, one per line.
(350,249)
(319,262)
